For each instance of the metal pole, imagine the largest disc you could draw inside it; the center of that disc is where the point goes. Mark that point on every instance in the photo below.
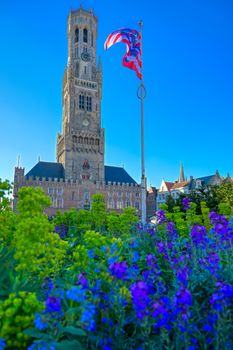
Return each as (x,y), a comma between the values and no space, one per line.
(142,95)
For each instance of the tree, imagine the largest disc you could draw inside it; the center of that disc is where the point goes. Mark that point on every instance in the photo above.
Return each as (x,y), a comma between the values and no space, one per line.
(98,211)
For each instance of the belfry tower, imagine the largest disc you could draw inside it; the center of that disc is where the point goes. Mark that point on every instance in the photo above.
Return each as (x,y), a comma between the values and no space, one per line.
(80,146)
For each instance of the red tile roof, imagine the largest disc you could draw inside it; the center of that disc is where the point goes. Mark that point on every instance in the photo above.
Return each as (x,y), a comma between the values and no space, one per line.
(169,185)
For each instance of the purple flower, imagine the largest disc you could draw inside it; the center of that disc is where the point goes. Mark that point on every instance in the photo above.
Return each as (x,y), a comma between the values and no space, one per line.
(161,247)
(160,216)
(119,269)
(161,313)
(222,297)
(82,280)
(53,304)
(198,234)
(140,298)
(61,231)
(182,302)
(151,260)
(182,276)
(186,203)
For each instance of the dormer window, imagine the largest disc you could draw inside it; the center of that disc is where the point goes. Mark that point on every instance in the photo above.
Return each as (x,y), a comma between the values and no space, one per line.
(76,35)
(85,35)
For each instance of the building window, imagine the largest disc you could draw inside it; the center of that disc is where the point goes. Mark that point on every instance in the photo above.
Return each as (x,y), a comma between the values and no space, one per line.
(60,191)
(80,139)
(128,204)
(119,205)
(86,196)
(85,70)
(76,69)
(137,205)
(110,204)
(85,35)
(76,35)
(72,196)
(54,200)
(137,194)
(60,203)
(50,190)
(92,39)
(89,103)
(81,102)
(76,52)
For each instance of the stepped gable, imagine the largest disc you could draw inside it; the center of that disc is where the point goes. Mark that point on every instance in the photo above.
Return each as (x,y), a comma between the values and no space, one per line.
(117,174)
(47,170)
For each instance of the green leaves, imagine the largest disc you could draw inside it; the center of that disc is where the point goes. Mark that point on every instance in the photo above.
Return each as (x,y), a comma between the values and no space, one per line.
(74,331)
(69,345)
(34,333)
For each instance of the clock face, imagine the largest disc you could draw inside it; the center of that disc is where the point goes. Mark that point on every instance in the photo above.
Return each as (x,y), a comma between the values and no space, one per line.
(85,122)
(85,56)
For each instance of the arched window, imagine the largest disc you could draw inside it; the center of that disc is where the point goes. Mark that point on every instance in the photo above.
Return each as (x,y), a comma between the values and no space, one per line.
(92,141)
(85,140)
(80,139)
(97,142)
(81,102)
(85,35)
(92,39)
(76,35)
(89,103)
(74,138)
(76,69)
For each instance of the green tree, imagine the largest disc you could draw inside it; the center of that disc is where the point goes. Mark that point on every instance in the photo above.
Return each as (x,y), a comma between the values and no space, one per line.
(7,217)
(38,249)
(225,193)
(98,211)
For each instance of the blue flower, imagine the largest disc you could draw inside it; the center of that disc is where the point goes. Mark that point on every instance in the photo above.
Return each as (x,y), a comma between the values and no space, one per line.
(88,317)
(2,343)
(135,257)
(91,253)
(76,293)
(53,304)
(42,346)
(39,323)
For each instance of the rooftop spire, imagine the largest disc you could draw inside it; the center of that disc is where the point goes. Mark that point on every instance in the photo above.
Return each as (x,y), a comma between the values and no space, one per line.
(181,179)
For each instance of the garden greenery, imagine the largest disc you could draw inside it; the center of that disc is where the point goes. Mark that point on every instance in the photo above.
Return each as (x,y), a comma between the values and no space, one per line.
(99,280)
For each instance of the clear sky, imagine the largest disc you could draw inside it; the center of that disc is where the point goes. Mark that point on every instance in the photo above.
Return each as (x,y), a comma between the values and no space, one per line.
(188,69)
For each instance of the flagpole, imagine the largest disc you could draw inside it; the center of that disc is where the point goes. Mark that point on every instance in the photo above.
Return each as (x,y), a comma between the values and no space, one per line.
(141,95)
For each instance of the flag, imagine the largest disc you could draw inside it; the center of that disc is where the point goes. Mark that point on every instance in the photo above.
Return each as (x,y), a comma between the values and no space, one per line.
(132,39)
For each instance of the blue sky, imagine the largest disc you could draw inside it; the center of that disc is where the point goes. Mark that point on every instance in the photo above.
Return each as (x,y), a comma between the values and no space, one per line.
(188,69)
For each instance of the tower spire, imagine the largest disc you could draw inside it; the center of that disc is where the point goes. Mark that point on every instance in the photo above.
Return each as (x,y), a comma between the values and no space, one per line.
(181,178)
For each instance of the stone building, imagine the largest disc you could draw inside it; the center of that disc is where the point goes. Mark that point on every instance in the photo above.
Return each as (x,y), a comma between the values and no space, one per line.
(79,171)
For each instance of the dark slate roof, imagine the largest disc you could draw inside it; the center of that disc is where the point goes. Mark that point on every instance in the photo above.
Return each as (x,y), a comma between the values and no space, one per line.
(205,181)
(117,174)
(47,169)
(56,170)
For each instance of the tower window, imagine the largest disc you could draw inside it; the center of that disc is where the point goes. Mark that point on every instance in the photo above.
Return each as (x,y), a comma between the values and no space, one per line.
(92,39)
(85,35)
(76,52)
(81,102)
(76,35)
(76,69)
(89,103)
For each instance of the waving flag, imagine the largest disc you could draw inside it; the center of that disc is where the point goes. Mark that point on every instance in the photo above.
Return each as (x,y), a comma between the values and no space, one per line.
(132,39)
